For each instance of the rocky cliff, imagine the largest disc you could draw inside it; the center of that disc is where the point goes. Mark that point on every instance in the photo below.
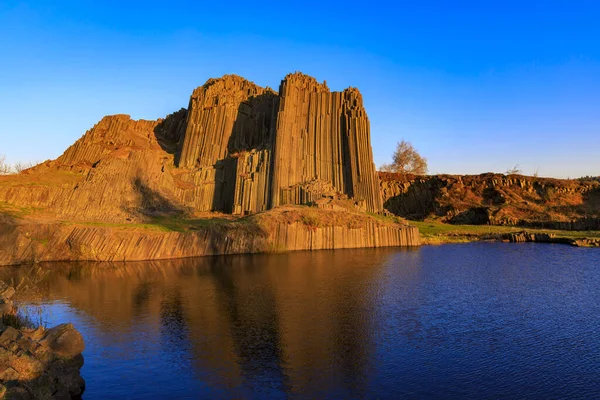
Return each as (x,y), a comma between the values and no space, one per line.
(238,149)
(495,199)
(322,136)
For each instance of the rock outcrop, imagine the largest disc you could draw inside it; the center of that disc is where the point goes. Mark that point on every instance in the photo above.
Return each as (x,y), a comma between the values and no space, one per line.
(239,149)
(495,199)
(38,363)
(256,149)
(322,135)
(529,237)
(288,229)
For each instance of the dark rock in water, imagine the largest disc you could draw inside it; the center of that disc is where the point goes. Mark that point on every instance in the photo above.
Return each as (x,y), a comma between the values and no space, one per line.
(39,363)
(520,237)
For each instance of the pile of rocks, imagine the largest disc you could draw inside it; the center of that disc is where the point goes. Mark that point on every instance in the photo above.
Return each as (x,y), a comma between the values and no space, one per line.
(38,363)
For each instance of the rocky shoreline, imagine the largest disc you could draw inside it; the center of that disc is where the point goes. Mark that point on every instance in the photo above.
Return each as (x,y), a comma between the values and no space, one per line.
(23,243)
(524,236)
(37,363)
(511,237)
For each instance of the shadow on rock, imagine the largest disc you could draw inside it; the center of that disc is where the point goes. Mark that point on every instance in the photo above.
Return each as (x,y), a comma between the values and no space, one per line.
(170,132)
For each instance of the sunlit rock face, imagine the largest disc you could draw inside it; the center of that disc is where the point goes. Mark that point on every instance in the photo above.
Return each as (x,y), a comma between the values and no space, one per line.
(37,363)
(262,149)
(495,199)
(238,149)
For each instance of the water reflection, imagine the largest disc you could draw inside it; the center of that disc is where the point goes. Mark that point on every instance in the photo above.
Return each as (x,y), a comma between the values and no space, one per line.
(465,321)
(262,325)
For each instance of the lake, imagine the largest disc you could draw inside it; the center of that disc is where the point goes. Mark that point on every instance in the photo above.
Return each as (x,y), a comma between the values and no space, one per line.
(479,320)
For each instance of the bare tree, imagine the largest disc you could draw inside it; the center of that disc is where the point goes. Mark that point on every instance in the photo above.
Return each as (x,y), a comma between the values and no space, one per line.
(406,160)
(8,169)
(516,170)
(5,168)
(21,166)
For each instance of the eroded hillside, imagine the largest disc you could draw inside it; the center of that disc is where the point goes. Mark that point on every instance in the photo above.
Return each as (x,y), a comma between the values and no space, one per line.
(495,199)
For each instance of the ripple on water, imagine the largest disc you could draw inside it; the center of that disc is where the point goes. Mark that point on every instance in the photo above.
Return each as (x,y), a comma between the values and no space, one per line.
(482,320)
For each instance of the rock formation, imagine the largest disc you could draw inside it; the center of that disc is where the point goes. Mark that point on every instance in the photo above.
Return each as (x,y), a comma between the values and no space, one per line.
(238,149)
(495,199)
(38,363)
(285,230)
(322,136)
(255,149)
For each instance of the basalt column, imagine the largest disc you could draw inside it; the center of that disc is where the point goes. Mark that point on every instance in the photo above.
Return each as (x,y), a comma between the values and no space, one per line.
(227,118)
(362,180)
(322,136)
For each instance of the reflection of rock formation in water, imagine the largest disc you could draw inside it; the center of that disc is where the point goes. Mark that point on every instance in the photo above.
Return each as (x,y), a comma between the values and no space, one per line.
(275,320)
(251,310)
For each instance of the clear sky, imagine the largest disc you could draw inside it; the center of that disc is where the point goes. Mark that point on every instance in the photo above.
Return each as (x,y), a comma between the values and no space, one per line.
(476,86)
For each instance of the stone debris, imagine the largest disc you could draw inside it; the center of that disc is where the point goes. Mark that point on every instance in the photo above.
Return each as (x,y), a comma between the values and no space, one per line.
(38,363)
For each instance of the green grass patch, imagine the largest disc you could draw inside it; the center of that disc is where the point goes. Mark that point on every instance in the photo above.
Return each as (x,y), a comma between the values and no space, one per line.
(16,211)
(390,219)
(176,224)
(149,226)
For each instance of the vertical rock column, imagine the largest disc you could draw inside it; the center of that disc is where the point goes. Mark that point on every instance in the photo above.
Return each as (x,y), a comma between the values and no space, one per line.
(225,116)
(362,180)
(308,142)
(212,113)
(322,135)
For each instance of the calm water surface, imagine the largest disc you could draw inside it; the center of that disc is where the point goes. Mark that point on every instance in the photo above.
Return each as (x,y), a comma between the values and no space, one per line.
(482,320)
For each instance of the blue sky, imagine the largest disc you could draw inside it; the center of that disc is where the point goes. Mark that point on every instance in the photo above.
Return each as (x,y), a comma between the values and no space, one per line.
(475,86)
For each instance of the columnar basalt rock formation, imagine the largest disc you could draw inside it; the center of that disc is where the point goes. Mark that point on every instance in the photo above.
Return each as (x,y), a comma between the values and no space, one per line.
(228,141)
(29,243)
(322,135)
(238,149)
(256,149)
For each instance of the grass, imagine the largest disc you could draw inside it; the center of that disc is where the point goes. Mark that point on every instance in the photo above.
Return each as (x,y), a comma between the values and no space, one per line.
(41,179)
(175,223)
(258,223)
(16,211)
(100,224)
(436,232)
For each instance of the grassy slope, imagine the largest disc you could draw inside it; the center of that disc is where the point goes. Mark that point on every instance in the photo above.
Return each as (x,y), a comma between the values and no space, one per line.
(310,216)
(432,232)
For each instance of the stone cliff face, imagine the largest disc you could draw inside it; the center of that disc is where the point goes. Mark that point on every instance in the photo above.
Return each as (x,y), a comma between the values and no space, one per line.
(256,149)
(238,149)
(322,136)
(228,141)
(286,230)
(495,199)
